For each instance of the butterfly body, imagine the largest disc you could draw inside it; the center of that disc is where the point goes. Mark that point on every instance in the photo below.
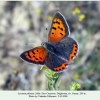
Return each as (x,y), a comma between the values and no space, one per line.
(59,51)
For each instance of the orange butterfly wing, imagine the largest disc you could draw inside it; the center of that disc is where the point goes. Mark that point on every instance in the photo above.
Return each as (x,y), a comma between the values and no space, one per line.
(59,28)
(36,55)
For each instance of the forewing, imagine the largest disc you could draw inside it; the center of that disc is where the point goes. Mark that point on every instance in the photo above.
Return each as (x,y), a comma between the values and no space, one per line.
(36,55)
(59,28)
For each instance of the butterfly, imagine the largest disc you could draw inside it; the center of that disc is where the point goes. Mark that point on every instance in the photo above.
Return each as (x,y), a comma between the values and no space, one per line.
(59,51)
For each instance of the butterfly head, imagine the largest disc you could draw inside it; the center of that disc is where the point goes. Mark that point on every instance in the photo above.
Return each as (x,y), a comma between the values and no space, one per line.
(49,46)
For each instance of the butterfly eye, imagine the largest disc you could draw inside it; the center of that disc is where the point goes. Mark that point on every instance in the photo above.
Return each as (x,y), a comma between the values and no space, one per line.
(50,47)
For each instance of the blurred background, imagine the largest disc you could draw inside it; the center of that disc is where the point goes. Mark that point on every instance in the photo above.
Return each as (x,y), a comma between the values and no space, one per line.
(25,25)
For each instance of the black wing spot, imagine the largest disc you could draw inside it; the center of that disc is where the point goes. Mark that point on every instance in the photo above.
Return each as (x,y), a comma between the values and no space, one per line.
(75,49)
(29,55)
(57,22)
(40,58)
(54,28)
(61,34)
(37,50)
(71,57)
(54,22)
(36,58)
(65,64)
(61,29)
(76,46)
(58,27)
(33,52)
(52,33)
(60,68)
(74,53)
